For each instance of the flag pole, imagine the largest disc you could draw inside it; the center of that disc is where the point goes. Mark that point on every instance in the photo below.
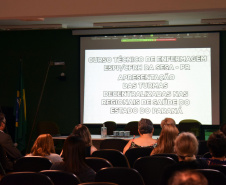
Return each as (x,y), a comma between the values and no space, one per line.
(39,102)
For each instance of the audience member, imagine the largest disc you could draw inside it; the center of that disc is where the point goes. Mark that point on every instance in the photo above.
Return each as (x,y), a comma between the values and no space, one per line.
(12,153)
(188,177)
(83,132)
(145,129)
(44,146)
(74,159)
(217,148)
(223,129)
(186,148)
(165,143)
(167,121)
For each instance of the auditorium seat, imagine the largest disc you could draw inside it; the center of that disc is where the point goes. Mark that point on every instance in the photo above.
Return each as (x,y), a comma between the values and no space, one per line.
(151,168)
(115,157)
(133,154)
(119,175)
(97,163)
(214,177)
(98,183)
(32,164)
(221,168)
(111,126)
(61,177)
(173,156)
(26,178)
(190,125)
(132,126)
(117,144)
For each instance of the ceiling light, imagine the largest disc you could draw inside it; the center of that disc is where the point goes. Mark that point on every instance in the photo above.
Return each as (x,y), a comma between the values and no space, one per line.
(214,21)
(32,27)
(132,23)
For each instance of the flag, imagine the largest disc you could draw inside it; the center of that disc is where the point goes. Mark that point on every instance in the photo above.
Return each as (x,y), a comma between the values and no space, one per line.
(21,121)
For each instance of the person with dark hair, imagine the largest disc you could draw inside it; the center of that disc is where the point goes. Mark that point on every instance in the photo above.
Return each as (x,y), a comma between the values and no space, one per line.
(12,153)
(145,130)
(217,148)
(188,177)
(223,129)
(83,132)
(165,143)
(44,146)
(74,159)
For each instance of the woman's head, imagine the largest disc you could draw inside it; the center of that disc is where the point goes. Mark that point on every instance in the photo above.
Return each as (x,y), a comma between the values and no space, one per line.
(145,126)
(167,121)
(186,145)
(43,145)
(74,153)
(83,132)
(217,144)
(165,143)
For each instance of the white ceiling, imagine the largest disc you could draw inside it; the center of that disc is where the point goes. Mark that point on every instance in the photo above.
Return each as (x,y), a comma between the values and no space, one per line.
(179,18)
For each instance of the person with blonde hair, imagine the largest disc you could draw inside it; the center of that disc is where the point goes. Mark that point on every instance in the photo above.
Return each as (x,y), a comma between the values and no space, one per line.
(165,143)
(146,130)
(186,148)
(44,147)
(83,132)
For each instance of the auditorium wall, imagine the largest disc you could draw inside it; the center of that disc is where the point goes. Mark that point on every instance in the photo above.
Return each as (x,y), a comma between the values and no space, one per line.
(61,98)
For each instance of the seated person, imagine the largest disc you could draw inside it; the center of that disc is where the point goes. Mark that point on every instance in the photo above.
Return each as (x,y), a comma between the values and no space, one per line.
(188,177)
(217,148)
(74,160)
(83,132)
(44,147)
(12,153)
(145,129)
(186,148)
(223,128)
(165,143)
(167,121)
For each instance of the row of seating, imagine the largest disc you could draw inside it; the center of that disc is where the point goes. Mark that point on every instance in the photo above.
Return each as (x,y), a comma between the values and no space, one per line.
(46,177)
(105,176)
(186,125)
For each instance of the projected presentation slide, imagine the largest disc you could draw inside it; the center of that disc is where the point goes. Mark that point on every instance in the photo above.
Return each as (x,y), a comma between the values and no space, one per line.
(125,85)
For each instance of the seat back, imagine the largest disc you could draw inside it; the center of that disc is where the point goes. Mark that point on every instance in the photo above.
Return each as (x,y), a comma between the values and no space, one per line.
(26,178)
(115,157)
(132,126)
(152,168)
(190,125)
(203,148)
(32,164)
(119,175)
(97,163)
(98,183)
(117,144)
(207,155)
(173,156)
(61,177)
(134,153)
(214,177)
(221,168)
(111,126)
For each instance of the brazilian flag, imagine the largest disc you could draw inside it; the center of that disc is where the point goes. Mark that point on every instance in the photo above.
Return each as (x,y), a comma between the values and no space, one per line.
(21,121)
